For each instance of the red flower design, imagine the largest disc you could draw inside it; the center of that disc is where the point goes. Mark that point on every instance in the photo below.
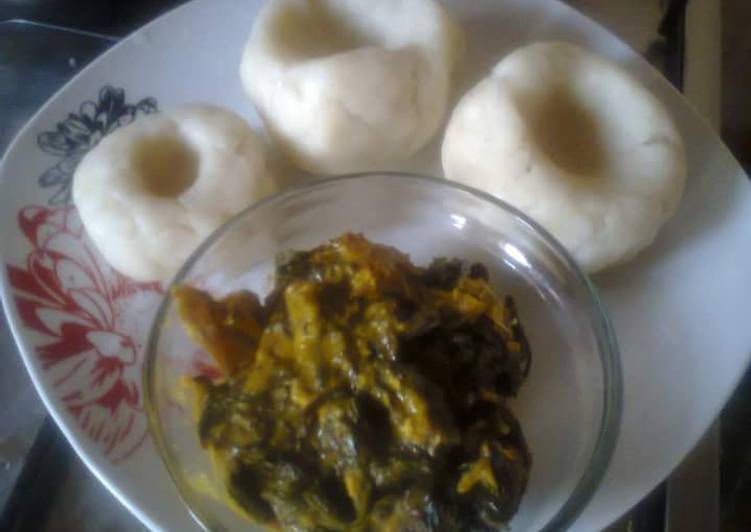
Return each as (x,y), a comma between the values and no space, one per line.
(90,318)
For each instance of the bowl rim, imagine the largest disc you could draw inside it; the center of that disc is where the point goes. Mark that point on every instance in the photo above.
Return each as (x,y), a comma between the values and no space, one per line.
(607,345)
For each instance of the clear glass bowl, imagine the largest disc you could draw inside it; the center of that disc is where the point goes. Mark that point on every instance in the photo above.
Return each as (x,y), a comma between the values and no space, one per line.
(570,406)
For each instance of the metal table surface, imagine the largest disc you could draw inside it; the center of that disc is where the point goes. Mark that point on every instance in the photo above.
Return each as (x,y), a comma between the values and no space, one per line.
(35,60)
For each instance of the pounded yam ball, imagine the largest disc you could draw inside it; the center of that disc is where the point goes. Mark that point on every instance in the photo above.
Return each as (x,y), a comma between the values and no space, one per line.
(350,85)
(576,143)
(150,192)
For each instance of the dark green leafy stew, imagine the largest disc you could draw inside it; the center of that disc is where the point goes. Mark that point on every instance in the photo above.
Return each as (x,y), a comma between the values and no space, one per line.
(365,393)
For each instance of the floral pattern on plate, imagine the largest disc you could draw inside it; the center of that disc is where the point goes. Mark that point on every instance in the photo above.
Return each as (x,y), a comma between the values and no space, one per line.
(89,337)
(78,133)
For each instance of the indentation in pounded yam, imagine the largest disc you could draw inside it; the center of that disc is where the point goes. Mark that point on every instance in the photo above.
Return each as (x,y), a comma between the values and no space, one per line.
(566,131)
(310,30)
(166,166)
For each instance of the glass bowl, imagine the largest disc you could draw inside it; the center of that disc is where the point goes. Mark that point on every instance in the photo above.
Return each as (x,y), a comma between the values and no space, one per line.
(570,406)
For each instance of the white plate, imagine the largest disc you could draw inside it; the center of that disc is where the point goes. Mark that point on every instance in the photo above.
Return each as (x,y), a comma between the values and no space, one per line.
(680,310)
